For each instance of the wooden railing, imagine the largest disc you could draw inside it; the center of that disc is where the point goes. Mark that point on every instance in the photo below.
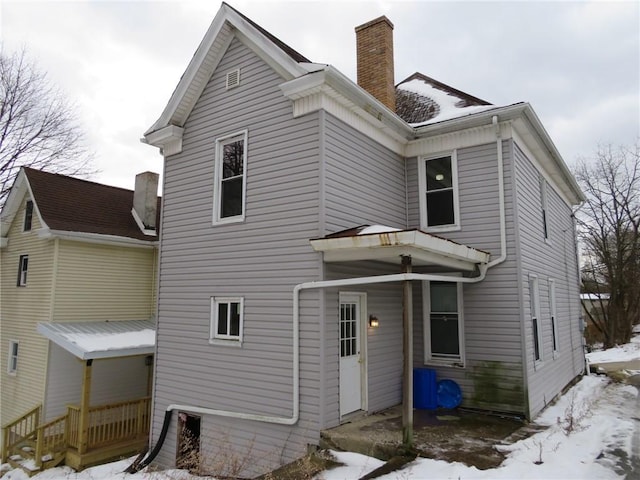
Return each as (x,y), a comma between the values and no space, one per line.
(20,430)
(51,438)
(73,426)
(108,424)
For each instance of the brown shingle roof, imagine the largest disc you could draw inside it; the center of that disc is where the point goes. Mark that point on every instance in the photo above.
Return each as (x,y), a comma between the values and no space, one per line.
(74,205)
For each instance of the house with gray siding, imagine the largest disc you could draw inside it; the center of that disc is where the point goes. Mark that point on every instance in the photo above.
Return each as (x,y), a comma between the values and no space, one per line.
(322,238)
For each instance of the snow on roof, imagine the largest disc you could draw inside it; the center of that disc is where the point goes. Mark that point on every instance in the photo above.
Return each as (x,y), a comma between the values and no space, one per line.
(377,229)
(105,339)
(594,296)
(445,105)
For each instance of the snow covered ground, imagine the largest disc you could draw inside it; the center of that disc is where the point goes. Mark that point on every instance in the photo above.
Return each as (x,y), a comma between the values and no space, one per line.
(593,432)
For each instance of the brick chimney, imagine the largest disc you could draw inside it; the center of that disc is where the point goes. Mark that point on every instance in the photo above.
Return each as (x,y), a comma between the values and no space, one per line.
(145,199)
(374,51)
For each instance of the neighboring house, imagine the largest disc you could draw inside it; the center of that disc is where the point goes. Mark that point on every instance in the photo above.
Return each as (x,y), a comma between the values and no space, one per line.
(291,194)
(78,266)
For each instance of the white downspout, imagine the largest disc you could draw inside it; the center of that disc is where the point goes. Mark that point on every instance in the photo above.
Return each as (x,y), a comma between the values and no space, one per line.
(503,222)
(361,281)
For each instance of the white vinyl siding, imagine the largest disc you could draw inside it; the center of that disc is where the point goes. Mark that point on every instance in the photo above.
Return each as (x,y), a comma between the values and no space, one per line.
(229,186)
(12,364)
(443,323)
(438,183)
(226,320)
(554,258)
(261,259)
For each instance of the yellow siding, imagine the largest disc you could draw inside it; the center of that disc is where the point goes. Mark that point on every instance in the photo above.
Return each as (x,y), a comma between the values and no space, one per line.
(103,282)
(21,308)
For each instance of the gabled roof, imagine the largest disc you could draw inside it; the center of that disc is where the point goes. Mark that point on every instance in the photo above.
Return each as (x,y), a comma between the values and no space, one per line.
(426,107)
(227,24)
(67,204)
(108,339)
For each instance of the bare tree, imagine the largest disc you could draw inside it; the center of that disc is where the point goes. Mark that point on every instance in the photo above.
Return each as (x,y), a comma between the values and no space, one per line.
(609,229)
(38,127)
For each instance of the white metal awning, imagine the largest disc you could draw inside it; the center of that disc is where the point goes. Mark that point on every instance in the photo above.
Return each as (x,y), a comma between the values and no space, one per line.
(389,245)
(103,339)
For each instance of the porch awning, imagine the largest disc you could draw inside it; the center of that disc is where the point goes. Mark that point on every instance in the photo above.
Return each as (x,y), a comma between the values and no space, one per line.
(388,244)
(103,339)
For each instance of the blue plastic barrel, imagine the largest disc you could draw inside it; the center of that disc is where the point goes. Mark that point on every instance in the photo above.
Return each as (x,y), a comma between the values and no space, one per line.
(425,390)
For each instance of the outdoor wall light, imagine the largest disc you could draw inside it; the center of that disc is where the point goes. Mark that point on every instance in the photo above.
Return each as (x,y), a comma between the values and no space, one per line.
(373,321)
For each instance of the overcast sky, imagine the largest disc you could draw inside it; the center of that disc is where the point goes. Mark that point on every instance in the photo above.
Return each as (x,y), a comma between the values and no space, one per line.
(577,63)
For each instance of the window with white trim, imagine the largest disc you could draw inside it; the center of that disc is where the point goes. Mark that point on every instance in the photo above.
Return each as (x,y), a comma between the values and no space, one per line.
(230,170)
(552,311)
(12,365)
(443,322)
(534,305)
(226,319)
(438,183)
(23,266)
(28,216)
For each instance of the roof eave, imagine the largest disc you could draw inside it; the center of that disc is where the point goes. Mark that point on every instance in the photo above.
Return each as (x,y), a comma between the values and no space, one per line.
(391,246)
(100,238)
(329,80)
(526,122)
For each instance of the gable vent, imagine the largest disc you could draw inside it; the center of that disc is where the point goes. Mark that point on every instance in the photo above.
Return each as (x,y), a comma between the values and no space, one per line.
(233,79)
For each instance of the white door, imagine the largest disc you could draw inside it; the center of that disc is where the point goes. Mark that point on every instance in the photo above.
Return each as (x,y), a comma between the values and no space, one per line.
(350,369)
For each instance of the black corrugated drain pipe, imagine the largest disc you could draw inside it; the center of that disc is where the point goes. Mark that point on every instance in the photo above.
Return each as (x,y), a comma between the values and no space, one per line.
(143,459)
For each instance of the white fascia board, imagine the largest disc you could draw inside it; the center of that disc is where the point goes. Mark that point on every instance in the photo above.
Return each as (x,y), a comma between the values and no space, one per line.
(394,244)
(168,139)
(46,233)
(551,153)
(462,138)
(145,231)
(83,354)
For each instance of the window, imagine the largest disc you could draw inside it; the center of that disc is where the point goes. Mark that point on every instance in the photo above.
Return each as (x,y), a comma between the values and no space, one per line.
(443,322)
(23,265)
(226,319)
(552,310)
(12,366)
(28,216)
(534,301)
(543,202)
(438,181)
(230,174)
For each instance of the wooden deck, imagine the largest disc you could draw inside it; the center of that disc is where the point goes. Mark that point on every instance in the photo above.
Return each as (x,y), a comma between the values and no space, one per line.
(79,439)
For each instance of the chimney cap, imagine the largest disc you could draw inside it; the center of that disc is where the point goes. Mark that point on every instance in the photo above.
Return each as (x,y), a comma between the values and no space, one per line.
(381,19)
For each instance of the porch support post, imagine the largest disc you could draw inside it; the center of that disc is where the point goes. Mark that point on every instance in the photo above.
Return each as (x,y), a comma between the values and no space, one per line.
(407,343)
(83,434)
